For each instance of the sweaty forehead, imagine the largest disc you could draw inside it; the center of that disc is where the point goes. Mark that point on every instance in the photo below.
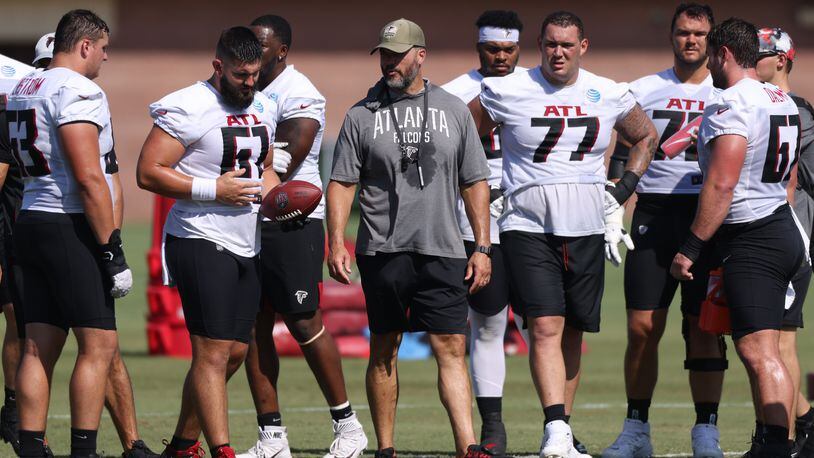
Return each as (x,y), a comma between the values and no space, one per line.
(692,24)
(560,34)
(265,35)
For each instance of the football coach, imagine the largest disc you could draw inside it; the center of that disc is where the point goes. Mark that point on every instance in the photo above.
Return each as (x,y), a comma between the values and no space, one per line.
(412,148)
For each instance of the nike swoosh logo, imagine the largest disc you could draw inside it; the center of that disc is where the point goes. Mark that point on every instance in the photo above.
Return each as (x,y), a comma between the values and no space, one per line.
(721,110)
(304,106)
(724,259)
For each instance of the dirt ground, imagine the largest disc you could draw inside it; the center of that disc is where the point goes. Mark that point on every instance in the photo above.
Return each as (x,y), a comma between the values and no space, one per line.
(133,80)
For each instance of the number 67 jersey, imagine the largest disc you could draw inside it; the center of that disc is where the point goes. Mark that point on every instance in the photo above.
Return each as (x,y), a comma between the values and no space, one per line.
(41,103)
(217,138)
(769,120)
(554,140)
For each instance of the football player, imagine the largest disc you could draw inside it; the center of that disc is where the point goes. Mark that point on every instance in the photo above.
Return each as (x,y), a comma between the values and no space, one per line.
(667,199)
(555,123)
(208,147)
(748,145)
(498,51)
(774,63)
(291,260)
(67,243)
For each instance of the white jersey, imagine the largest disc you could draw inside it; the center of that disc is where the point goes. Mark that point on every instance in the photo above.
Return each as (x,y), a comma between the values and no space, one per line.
(297,97)
(671,105)
(41,103)
(218,138)
(769,120)
(11,72)
(554,141)
(466,87)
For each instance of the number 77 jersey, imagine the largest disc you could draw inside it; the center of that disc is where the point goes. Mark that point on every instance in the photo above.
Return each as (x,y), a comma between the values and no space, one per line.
(554,135)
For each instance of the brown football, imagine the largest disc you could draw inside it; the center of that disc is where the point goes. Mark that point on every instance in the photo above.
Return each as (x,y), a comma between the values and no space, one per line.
(291,201)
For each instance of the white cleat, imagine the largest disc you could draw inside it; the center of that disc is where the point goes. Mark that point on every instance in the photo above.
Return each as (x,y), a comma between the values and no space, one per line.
(632,442)
(349,439)
(272,443)
(705,442)
(558,441)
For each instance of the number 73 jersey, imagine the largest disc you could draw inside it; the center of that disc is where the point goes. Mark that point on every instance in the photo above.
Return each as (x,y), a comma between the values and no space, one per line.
(40,104)
(769,120)
(554,134)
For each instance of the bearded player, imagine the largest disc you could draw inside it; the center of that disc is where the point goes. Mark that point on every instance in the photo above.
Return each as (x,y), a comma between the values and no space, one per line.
(667,200)
(291,260)
(207,149)
(67,244)
(556,123)
(748,146)
(498,51)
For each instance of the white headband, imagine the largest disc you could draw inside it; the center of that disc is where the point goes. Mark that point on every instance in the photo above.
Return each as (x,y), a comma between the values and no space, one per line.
(489,33)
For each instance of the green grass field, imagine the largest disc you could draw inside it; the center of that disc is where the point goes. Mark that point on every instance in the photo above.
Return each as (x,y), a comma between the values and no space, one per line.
(422,428)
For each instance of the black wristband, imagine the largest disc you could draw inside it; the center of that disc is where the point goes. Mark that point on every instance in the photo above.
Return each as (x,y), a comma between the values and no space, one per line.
(692,247)
(616,168)
(624,188)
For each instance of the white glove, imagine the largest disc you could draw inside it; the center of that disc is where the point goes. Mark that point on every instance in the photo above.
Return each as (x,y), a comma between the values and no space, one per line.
(615,234)
(611,205)
(496,201)
(281,158)
(122,284)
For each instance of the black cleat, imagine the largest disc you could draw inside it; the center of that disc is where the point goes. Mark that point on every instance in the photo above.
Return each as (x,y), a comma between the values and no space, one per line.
(9,426)
(138,449)
(389,452)
(580,447)
(803,441)
(493,436)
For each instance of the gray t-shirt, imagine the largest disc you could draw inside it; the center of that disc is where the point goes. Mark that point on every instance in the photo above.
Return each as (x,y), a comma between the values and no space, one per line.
(397,215)
(804,194)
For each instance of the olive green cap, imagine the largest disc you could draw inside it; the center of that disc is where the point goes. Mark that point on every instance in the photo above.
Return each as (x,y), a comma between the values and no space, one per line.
(400,35)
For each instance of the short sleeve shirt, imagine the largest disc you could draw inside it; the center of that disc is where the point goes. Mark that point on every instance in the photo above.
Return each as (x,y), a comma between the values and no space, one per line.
(397,213)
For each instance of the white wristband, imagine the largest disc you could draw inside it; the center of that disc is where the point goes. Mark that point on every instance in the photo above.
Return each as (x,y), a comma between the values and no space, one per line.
(204,188)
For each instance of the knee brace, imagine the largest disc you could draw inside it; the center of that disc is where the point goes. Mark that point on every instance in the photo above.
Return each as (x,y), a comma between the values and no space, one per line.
(703,364)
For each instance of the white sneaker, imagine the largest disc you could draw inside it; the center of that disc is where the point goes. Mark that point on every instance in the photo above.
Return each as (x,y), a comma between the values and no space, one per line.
(705,442)
(349,439)
(633,441)
(558,442)
(272,443)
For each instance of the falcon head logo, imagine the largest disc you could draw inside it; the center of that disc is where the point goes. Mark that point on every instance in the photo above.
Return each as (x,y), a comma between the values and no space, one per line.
(390,31)
(301,295)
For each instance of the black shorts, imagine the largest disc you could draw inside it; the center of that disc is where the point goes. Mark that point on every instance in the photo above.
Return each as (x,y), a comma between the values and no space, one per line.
(660,225)
(494,297)
(220,291)
(63,282)
(793,316)
(291,265)
(407,292)
(556,276)
(760,258)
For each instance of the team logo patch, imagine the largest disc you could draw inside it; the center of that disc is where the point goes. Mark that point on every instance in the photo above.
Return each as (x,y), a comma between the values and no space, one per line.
(301,295)
(258,106)
(274,96)
(281,200)
(390,31)
(593,95)
(643,229)
(7,70)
